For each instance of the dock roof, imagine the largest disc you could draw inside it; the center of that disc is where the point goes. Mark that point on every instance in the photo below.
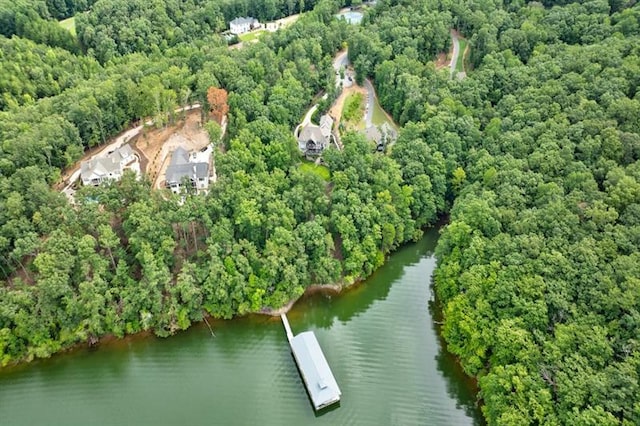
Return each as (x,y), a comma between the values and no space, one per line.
(315,370)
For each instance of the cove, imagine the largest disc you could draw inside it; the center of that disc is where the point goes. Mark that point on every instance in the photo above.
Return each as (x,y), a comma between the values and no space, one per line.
(378,337)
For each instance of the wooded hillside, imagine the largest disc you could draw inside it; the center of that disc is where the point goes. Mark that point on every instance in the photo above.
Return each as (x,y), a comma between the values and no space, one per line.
(538,268)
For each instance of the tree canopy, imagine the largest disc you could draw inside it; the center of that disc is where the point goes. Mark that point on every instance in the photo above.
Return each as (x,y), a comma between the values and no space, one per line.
(534,157)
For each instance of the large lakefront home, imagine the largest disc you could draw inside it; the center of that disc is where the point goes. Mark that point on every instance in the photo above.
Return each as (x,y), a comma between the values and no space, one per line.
(314,139)
(192,168)
(243,25)
(110,167)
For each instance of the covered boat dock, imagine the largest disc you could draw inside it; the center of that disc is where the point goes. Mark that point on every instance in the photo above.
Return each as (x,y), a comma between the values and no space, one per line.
(314,369)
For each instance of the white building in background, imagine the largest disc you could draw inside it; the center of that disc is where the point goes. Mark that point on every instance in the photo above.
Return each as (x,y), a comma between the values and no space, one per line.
(243,25)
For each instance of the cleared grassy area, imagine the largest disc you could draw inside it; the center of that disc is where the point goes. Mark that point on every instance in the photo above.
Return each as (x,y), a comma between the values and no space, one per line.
(253,35)
(353,107)
(322,171)
(463,48)
(69,24)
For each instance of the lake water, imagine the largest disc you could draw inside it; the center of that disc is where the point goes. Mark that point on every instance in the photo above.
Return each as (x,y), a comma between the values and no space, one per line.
(379,339)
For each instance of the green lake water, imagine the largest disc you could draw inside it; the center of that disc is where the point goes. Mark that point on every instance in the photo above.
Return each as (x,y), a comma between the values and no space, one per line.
(379,339)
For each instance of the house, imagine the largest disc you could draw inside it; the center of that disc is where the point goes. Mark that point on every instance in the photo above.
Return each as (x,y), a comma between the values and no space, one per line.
(313,139)
(381,135)
(243,25)
(111,167)
(124,155)
(193,168)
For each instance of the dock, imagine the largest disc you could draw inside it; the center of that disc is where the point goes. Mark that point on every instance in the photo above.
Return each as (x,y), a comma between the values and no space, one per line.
(314,369)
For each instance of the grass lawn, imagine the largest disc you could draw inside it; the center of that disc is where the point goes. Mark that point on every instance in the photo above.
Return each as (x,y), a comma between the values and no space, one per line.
(322,171)
(460,61)
(69,24)
(379,117)
(250,36)
(353,112)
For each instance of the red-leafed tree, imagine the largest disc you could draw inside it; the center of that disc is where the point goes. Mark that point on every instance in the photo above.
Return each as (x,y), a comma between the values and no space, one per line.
(218,107)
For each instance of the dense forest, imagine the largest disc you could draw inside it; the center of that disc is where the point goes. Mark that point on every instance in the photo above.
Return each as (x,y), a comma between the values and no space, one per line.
(534,156)
(123,260)
(538,270)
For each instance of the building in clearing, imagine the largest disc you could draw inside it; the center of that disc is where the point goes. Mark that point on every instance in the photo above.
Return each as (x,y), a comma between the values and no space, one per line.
(314,369)
(242,25)
(102,169)
(314,139)
(193,168)
(381,135)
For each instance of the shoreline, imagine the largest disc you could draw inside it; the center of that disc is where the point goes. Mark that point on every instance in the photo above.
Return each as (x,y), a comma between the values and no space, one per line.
(110,338)
(312,289)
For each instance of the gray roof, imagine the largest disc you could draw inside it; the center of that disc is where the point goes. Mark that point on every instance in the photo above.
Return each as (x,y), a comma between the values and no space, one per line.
(326,123)
(101,166)
(390,131)
(318,134)
(179,156)
(180,167)
(311,132)
(242,20)
(373,134)
(192,171)
(122,153)
(315,371)
(382,133)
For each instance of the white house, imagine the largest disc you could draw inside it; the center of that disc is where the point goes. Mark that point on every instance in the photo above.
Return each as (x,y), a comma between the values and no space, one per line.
(193,167)
(243,25)
(102,169)
(124,155)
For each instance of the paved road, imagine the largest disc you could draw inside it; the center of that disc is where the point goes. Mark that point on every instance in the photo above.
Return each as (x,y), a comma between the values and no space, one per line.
(371,98)
(341,61)
(456,52)
(117,143)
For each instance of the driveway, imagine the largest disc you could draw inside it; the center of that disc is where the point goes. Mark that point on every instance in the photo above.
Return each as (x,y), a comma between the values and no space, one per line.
(371,98)
(341,61)
(454,56)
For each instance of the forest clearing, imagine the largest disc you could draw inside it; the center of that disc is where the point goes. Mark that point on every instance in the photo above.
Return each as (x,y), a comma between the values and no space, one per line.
(157,144)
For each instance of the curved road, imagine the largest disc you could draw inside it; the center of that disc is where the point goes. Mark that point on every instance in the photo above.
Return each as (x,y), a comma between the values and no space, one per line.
(371,97)
(341,61)
(456,52)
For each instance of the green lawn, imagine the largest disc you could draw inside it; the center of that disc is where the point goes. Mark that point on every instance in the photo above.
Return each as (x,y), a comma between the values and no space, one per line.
(253,35)
(69,24)
(379,117)
(460,61)
(319,170)
(353,109)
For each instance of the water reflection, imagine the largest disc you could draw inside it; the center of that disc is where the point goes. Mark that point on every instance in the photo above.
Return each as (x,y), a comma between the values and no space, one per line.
(378,337)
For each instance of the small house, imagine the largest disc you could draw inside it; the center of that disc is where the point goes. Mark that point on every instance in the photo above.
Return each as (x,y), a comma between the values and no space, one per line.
(314,139)
(188,168)
(242,25)
(381,135)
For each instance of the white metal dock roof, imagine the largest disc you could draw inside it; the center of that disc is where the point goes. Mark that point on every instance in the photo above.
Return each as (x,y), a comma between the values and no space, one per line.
(315,370)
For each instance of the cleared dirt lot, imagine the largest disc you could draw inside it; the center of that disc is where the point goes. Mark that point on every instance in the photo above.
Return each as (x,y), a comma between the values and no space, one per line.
(156,145)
